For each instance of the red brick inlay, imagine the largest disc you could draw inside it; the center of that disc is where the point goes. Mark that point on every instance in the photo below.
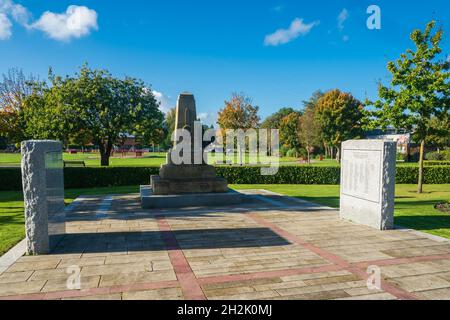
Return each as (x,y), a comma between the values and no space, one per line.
(186,277)
(395,291)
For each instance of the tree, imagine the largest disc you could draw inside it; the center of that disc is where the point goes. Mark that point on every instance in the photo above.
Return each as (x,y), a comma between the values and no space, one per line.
(289,131)
(169,127)
(274,120)
(419,90)
(94,101)
(439,135)
(340,117)
(238,113)
(311,103)
(309,131)
(14,89)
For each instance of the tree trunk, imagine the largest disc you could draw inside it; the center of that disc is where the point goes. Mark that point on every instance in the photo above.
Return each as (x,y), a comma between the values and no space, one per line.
(338,154)
(422,151)
(105,153)
(309,155)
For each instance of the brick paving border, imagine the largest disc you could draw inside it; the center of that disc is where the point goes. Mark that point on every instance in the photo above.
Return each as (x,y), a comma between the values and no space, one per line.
(188,281)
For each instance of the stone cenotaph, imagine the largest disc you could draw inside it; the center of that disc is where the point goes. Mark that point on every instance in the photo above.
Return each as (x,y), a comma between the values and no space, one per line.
(191,182)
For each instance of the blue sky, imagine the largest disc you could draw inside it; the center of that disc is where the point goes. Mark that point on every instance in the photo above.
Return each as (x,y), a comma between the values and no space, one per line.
(214,48)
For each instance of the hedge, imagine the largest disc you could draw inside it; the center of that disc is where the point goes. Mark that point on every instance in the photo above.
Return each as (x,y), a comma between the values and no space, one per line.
(121,176)
(436,163)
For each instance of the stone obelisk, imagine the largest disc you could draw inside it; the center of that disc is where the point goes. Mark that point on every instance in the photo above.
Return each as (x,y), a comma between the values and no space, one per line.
(190,177)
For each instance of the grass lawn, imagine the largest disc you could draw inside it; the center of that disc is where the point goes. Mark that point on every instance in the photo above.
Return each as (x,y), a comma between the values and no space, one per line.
(93,159)
(411,209)
(155,159)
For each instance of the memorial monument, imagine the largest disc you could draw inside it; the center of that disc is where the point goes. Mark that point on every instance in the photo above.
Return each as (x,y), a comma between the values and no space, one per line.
(192,182)
(43,192)
(368,182)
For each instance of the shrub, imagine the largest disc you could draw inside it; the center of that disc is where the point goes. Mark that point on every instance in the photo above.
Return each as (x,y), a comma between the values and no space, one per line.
(435,156)
(107,176)
(11,179)
(283,151)
(292,153)
(402,157)
(446,154)
(122,176)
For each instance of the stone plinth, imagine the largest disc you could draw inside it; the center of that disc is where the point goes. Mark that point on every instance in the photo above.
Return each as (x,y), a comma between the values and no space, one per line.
(43,190)
(149,200)
(368,182)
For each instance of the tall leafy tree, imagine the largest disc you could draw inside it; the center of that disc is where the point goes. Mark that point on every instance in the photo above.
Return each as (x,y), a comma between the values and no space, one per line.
(340,116)
(419,89)
(311,103)
(96,102)
(238,113)
(289,128)
(309,131)
(15,87)
(274,120)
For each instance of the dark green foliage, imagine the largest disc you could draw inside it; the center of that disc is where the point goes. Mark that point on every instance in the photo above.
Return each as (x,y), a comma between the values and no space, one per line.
(124,176)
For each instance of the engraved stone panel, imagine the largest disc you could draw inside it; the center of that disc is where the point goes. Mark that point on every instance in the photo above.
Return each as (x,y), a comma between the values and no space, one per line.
(43,189)
(368,182)
(361,174)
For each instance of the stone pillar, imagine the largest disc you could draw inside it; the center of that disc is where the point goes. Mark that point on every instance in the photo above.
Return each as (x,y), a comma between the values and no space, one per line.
(43,190)
(368,182)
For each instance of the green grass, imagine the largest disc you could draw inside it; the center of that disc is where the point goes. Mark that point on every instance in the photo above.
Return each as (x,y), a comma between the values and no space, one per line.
(93,159)
(412,210)
(156,159)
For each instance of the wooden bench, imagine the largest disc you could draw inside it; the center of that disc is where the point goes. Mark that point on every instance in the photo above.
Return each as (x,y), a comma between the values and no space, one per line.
(74,163)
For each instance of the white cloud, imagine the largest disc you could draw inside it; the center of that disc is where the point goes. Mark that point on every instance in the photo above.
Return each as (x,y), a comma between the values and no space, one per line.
(17,12)
(283,36)
(76,22)
(342,17)
(5,27)
(165,103)
(20,14)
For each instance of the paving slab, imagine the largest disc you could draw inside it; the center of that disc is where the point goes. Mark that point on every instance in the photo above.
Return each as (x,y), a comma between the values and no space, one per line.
(274,247)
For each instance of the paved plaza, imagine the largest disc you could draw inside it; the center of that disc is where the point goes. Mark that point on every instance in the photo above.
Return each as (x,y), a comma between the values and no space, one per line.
(272,247)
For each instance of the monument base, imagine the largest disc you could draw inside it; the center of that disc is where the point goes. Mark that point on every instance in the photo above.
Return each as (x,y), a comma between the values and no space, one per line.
(153,201)
(163,186)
